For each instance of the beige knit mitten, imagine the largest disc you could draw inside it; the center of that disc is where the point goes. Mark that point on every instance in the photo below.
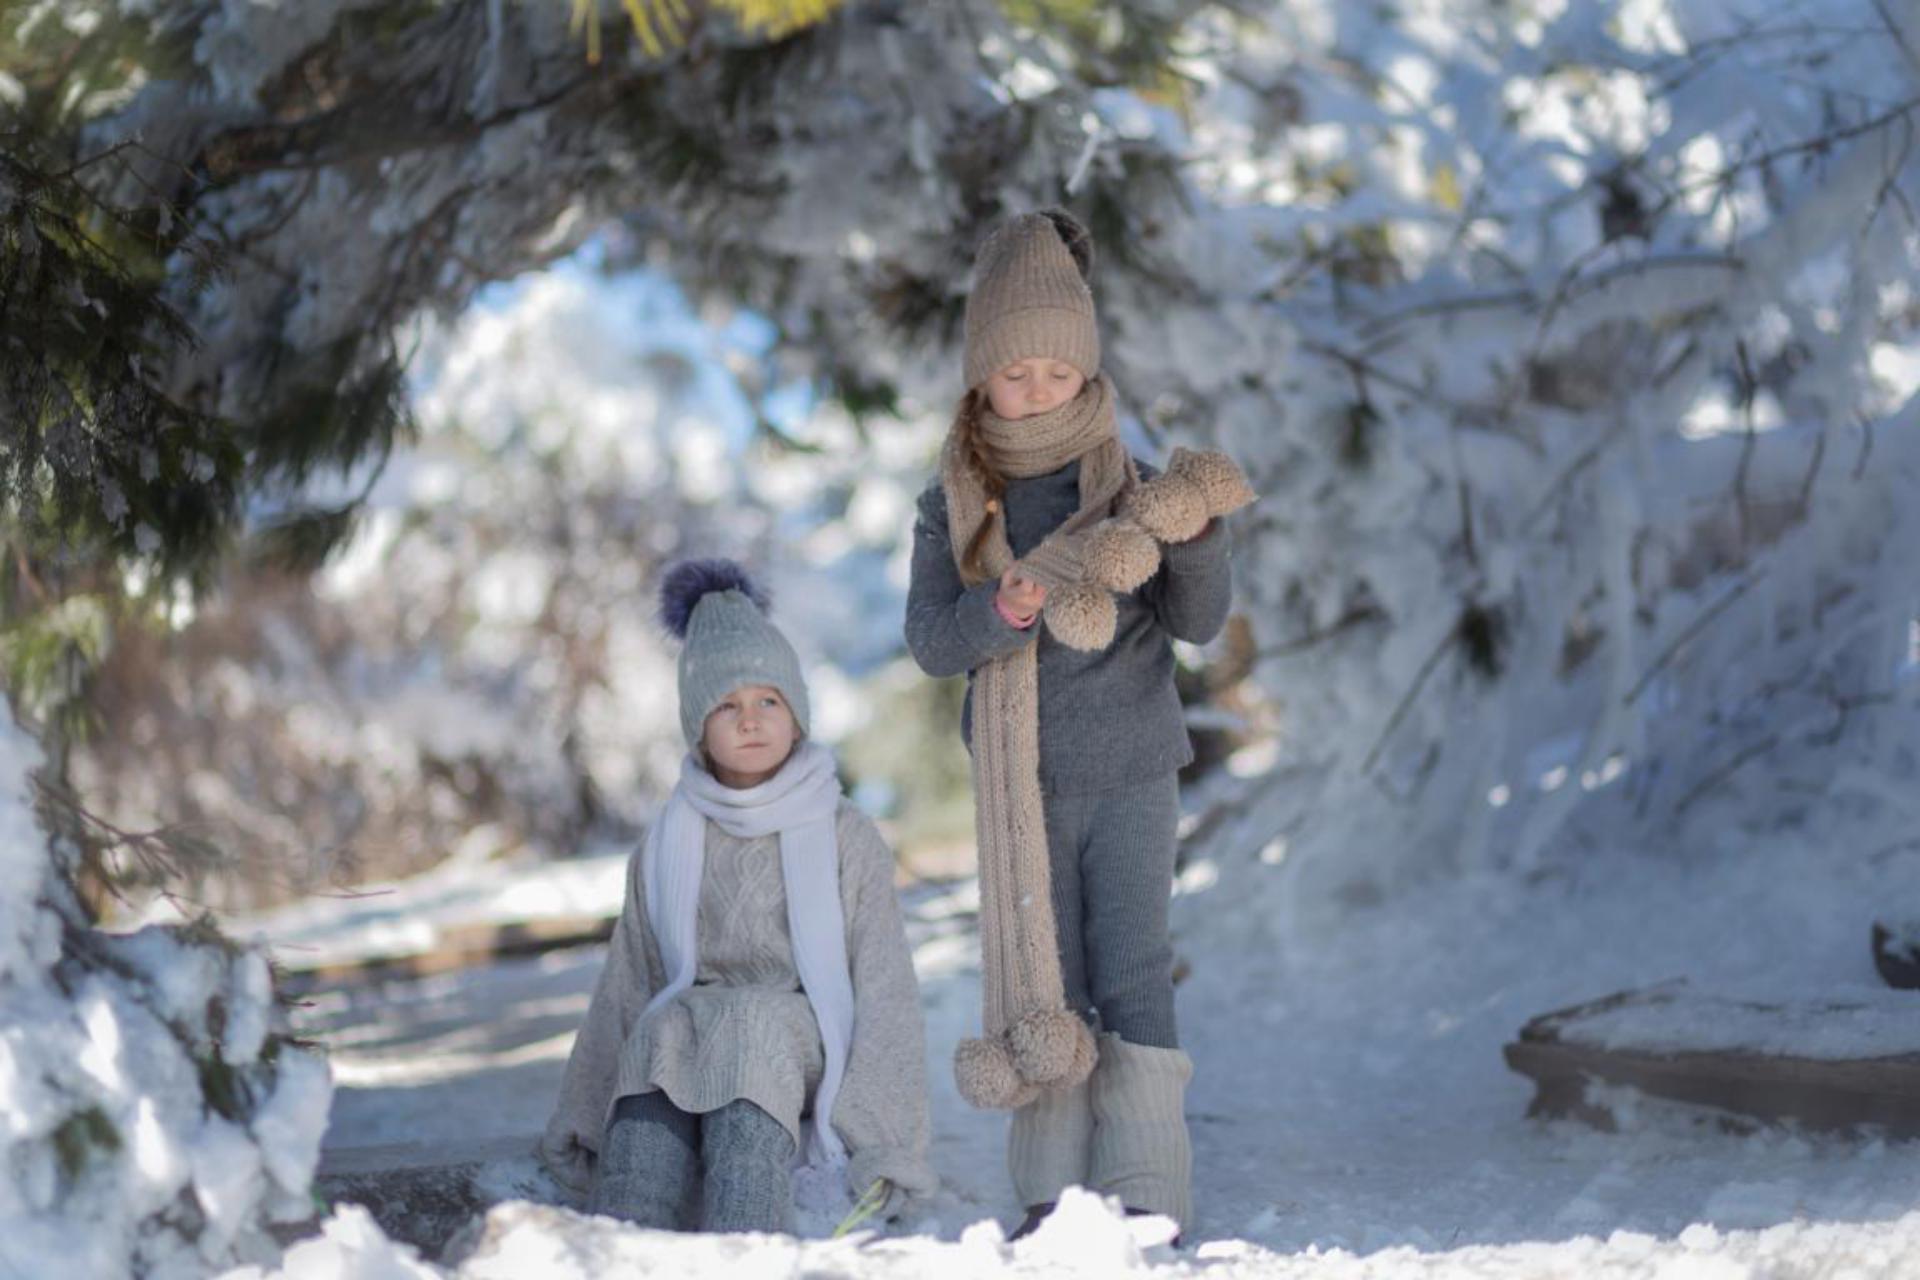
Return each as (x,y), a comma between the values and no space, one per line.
(1119,555)
(1141,1152)
(1049,1144)
(1175,505)
(1123,551)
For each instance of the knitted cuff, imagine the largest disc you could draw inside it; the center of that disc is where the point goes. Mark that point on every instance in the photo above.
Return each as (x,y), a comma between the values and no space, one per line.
(1199,552)
(904,1165)
(987,635)
(1049,1143)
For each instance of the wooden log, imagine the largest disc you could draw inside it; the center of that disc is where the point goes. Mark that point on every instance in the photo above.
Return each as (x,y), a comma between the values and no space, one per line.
(424,1193)
(460,947)
(1820,1093)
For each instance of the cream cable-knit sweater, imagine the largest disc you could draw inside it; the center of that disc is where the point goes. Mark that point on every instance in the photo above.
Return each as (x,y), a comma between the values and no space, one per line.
(745,1028)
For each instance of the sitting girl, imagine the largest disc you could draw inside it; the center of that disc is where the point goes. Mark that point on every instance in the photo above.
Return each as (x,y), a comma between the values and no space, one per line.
(758,1013)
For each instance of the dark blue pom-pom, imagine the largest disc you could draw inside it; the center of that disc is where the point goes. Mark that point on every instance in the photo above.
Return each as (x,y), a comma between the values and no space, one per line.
(687,581)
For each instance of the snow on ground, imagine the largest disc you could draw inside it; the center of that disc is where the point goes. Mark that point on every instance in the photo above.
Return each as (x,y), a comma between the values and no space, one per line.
(1351,1113)
(1830,1022)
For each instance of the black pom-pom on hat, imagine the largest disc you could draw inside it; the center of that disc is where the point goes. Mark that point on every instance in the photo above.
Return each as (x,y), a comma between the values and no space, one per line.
(1074,234)
(690,580)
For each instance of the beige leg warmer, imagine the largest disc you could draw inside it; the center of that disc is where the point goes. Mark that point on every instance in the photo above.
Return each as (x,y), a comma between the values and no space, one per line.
(1049,1144)
(1141,1152)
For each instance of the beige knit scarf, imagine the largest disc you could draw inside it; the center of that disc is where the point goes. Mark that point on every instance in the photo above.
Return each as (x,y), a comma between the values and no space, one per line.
(1031,1042)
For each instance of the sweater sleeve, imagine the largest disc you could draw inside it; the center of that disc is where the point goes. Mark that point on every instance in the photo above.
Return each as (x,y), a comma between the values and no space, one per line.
(951,627)
(882,1111)
(627,982)
(1193,590)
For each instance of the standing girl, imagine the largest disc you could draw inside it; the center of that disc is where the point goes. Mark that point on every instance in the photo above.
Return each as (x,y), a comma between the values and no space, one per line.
(758,1012)
(1040,514)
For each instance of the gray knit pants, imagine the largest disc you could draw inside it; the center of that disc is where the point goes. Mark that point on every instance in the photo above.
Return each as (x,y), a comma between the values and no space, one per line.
(651,1163)
(1111,854)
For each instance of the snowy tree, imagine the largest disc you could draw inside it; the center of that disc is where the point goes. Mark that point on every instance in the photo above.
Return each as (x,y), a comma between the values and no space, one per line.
(1550,332)
(479,670)
(159,1118)
(1568,344)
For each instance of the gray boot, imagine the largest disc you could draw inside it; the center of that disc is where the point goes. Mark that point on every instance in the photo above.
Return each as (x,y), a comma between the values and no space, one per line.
(1141,1152)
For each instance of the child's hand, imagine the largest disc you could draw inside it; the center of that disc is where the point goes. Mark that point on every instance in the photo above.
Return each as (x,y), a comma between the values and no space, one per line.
(1021,597)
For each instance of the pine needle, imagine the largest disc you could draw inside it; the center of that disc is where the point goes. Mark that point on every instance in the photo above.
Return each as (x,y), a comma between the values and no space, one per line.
(869,1204)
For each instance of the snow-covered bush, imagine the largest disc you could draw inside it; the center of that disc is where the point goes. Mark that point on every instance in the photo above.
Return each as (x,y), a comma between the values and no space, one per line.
(1570,346)
(155,1119)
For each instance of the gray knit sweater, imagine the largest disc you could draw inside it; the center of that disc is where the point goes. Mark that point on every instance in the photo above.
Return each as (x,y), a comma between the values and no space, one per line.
(1107,718)
(745,1029)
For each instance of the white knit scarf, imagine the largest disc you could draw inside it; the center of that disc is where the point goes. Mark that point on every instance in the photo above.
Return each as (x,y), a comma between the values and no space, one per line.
(800,804)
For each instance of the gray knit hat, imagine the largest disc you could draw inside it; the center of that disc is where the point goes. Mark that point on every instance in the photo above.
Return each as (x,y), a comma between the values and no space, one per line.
(1030,297)
(721,616)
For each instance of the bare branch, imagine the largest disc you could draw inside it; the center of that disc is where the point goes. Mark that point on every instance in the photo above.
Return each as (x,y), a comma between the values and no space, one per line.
(1407,699)
(1693,629)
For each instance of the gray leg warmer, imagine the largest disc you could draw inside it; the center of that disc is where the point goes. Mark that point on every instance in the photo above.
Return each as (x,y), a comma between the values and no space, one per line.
(1048,1144)
(1141,1152)
(749,1181)
(649,1163)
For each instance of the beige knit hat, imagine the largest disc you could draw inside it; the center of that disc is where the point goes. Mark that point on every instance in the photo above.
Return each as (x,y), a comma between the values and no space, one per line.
(1030,297)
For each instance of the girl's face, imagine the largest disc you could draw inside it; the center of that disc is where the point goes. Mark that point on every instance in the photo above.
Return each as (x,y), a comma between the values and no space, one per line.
(748,736)
(1032,386)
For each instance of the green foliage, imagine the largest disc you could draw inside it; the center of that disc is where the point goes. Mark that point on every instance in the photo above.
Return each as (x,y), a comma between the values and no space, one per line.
(913,740)
(118,490)
(1118,204)
(301,541)
(918,309)
(335,411)
(864,397)
(1359,431)
(1112,45)
(1482,632)
(76,60)
(203,931)
(79,1136)
(109,862)
(662,26)
(99,459)
(46,656)
(224,1089)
